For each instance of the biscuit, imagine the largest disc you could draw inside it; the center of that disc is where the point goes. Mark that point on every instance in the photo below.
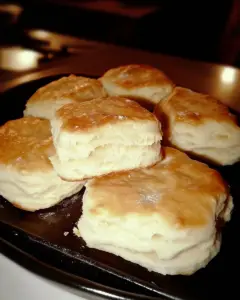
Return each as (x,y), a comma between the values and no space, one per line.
(200,125)
(102,136)
(72,89)
(27,178)
(142,83)
(162,217)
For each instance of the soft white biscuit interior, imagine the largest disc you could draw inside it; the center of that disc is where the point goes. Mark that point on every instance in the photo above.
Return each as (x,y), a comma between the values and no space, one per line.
(216,141)
(153,94)
(197,256)
(112,147)
(45,109)
(35,190)
(186,260)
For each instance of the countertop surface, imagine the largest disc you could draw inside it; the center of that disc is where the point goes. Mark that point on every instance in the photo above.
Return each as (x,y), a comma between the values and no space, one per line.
(19,283)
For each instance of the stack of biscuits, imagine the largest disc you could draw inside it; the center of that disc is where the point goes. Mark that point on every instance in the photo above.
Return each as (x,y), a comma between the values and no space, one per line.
(145,199)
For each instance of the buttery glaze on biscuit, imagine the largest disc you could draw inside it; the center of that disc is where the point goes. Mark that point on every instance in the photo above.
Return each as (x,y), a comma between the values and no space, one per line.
(133,76)
(76,88)
(26,144)
(142,83)
(101,111)
(192,107)
(182,191)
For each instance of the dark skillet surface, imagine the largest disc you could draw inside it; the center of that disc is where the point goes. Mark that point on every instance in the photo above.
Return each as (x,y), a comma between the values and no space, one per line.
(42,235)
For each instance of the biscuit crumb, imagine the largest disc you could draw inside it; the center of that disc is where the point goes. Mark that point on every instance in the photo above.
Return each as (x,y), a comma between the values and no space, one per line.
(76,231)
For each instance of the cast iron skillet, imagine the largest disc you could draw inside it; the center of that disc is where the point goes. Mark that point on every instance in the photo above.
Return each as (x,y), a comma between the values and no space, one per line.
(40,238)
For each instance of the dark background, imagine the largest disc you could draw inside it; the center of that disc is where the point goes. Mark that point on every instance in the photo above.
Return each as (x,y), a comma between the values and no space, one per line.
(206,30)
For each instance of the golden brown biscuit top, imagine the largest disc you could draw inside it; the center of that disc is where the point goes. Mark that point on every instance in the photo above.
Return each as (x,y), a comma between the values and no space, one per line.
(73,87)
(26,144)
(97,112)
(137,76)
(191,107)
(183,191)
